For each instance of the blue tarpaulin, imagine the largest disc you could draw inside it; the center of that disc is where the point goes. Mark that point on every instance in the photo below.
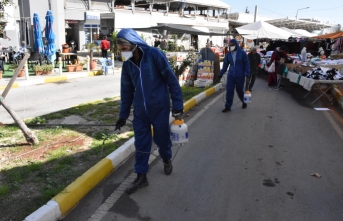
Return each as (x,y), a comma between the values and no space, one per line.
(50,36)
(37,31)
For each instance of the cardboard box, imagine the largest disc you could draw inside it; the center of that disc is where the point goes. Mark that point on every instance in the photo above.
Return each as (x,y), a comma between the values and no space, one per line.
(291,67)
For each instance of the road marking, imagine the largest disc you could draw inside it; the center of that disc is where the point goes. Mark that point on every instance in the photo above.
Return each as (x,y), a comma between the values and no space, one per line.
(111,200)
(334,124)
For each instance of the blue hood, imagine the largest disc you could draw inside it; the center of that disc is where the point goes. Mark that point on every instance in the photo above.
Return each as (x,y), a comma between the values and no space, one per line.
(235,42)
(132,36)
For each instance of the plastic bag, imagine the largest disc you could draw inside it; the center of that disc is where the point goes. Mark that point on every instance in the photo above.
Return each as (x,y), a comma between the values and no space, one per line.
(271,68)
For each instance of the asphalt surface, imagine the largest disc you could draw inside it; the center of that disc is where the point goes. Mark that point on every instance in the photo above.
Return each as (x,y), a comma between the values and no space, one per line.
(251,164)
(36,100)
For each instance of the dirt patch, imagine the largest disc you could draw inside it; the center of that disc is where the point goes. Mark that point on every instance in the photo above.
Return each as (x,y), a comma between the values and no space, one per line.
(71,142)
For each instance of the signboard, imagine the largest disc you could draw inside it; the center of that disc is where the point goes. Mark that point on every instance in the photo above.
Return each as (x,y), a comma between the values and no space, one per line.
(92,16)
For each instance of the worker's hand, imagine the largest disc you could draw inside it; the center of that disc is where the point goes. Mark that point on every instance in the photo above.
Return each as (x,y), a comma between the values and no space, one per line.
(120,123)
(218,79)
(177,114)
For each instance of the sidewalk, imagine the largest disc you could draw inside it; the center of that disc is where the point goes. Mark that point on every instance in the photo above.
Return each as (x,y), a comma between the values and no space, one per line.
(56,77)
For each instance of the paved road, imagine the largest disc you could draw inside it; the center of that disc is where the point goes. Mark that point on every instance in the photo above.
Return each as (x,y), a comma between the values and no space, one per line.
(33,101)
(252,164)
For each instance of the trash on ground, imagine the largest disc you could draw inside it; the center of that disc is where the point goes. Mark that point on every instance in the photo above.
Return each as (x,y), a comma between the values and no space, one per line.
(316,175)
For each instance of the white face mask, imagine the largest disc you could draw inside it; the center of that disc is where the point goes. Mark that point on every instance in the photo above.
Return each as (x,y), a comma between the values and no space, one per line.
(126,55)
(232,48)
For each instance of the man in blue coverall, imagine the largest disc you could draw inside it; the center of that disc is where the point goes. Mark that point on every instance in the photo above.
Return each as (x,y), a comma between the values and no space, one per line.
(238,70)
(147,79)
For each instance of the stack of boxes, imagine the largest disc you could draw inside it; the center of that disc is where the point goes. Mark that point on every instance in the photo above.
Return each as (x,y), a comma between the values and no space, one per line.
(205,74)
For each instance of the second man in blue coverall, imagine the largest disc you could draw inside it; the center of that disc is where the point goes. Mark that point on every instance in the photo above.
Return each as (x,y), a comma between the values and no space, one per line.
(238,70)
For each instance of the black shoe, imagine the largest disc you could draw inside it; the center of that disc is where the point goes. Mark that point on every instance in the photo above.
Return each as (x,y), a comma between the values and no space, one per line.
(244,105)
(226,110)
(168,167)
(140,181)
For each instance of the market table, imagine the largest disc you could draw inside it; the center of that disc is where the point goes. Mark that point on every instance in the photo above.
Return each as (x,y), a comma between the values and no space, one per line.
(66,57)
(310,84)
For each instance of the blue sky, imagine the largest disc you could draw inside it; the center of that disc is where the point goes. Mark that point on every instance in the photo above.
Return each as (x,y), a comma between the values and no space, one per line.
(329,10)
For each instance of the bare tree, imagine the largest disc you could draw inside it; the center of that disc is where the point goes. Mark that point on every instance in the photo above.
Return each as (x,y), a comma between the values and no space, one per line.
(30,137)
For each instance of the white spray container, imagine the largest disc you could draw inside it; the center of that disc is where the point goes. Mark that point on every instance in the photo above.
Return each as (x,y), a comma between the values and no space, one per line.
(179,132)
(247,97)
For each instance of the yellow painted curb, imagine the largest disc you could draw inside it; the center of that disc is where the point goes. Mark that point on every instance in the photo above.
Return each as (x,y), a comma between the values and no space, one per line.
(15,85)
(95,73)
(189,104)
(55,79)
(210,91)
(337,94)
(73,193)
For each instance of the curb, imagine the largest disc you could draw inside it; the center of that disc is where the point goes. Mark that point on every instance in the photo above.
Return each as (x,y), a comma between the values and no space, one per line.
(338,95)
(59,78)
(63,202)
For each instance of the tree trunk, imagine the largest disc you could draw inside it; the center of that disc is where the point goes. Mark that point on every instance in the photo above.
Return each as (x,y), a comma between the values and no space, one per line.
(29,135)
(91,55)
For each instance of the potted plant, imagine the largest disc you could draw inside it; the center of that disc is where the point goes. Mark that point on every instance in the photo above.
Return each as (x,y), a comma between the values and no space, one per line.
(48,68)
(91,47)
(65,48)
(38,69)
(21,72)
(71,67)
(79,66)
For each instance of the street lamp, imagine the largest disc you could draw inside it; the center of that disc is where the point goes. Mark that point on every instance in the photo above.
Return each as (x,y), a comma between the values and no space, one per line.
(296,17)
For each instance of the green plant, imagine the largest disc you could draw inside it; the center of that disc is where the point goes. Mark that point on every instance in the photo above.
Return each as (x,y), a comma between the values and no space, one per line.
(114,42)
(179,69)
(48,67)
(143,37)
(91,47)
(38,68)
(4,190)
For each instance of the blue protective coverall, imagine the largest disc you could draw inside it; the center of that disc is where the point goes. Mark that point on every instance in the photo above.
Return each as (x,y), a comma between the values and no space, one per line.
(147,87)
(237,72)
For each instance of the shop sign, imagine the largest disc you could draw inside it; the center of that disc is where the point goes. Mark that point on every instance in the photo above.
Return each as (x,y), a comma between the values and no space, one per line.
(92,16)
(72,22)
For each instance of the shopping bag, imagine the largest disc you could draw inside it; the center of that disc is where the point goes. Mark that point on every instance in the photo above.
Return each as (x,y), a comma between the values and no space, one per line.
(271,68)
(284,74)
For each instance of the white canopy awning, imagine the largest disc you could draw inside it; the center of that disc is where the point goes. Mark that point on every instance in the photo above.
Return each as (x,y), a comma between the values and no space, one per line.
(304,33)
(262,29)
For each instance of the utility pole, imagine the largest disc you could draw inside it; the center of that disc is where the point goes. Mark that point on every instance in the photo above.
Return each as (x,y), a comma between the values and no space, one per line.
(255,13)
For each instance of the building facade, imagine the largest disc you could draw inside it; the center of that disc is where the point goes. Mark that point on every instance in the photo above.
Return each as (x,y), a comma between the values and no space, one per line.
(84,21)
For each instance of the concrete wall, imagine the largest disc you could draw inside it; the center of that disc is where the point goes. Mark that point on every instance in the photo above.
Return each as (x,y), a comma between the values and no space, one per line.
(11,27)
(57,8)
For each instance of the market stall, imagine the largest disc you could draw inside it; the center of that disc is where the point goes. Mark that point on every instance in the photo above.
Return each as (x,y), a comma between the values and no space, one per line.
(262,29)
(314,82)
(336,35)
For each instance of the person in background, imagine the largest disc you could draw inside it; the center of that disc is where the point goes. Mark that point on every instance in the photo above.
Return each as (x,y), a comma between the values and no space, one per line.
(328,47)
(279,72)
(164,44)
(21,50)
(238,70)
(254,61)
(148,82)
(276,56)
(104,46)
(157,42)
(242,45)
